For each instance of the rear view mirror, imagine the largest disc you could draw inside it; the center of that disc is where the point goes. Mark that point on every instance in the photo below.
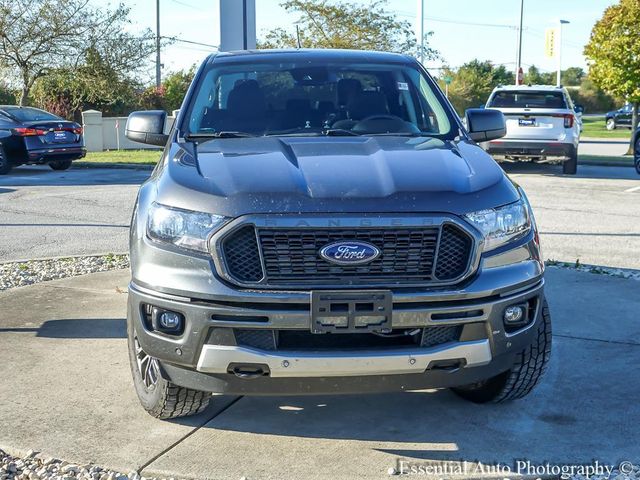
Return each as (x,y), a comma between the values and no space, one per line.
(485,124)
(147,127)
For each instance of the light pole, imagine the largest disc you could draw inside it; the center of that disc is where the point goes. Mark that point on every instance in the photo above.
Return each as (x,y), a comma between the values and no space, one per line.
(559,78)
(421,22)
(158,65)
(519,59)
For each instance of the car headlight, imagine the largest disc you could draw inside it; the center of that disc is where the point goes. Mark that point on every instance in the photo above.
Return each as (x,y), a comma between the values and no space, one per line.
(182,228)
(503,224)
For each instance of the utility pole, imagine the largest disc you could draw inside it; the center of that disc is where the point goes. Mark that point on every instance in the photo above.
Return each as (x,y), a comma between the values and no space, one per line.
(519,60)
(421,22)
(158,64)
(559,76)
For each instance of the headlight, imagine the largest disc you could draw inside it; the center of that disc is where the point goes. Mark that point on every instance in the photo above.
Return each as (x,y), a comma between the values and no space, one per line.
(501,225)
(182,228)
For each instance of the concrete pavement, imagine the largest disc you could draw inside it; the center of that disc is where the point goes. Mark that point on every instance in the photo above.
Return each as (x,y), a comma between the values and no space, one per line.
(75,212)
(66,391)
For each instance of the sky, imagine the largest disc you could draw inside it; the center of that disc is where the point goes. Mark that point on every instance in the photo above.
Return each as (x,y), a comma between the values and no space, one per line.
(462,29)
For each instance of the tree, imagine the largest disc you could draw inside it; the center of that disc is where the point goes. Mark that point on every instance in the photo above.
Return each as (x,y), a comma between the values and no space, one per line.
(613,53)
(339,24)
(38,36)
(473,82)
(94,84)
(572,76)
(175,86)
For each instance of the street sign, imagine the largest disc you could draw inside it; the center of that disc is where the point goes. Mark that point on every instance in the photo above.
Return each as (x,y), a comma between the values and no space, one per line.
(448,79)
(550,42)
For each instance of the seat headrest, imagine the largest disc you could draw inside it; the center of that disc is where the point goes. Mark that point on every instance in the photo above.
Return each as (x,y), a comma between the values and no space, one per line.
(246,100)
(366,104)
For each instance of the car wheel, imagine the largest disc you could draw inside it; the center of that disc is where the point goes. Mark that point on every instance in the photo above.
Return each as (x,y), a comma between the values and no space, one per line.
(611,124)
(570,166)
(5,164)
(636,155)
(523,376)
(158,396)
(60,164)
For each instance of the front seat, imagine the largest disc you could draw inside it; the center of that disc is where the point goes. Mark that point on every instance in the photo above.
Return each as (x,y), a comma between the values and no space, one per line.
(246,108)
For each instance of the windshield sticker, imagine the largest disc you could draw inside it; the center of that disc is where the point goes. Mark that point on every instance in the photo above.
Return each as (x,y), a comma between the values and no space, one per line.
(403,86)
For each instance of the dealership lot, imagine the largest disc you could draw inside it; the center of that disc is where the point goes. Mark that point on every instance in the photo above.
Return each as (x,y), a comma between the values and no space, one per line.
(593,217)
(91,413)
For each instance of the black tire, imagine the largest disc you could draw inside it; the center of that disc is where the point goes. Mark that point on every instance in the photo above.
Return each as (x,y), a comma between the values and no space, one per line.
(611,124)
(636,155)
(570,166)
(5,164)
(163,399)
(60,164)
(523,376)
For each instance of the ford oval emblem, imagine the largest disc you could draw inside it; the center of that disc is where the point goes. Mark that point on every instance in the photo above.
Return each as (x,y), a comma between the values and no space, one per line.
(349,252)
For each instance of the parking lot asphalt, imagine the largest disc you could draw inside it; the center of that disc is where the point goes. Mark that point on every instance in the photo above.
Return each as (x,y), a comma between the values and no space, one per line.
(593,217)
(66,391)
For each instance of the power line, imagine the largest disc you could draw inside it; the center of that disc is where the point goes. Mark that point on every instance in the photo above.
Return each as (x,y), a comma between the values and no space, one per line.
(191,42)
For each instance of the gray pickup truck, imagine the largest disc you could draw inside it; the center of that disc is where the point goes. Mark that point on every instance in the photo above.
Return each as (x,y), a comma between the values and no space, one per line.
(321,222)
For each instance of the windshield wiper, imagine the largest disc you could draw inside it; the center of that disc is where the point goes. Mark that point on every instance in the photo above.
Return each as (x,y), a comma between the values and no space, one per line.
(340,132)
(222,134)
(400,134)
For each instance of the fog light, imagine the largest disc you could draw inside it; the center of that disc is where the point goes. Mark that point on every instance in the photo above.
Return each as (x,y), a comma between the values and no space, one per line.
(170,320)
(514,314)
(167,321)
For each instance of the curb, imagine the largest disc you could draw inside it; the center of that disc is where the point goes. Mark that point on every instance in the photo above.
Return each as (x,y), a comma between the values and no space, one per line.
(614,163)
(128,166)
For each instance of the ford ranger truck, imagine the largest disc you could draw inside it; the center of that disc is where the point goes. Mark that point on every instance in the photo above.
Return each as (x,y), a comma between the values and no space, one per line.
(321,222)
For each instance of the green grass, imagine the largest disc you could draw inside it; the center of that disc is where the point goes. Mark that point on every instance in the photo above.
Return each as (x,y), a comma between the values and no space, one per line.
(595,127)
(141,157)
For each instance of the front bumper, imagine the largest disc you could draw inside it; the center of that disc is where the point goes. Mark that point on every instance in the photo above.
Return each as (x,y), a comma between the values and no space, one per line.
(484,348)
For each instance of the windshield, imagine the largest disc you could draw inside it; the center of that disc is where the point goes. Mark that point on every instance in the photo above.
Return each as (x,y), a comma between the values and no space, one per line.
(27,114)
(309,98)
(527,99)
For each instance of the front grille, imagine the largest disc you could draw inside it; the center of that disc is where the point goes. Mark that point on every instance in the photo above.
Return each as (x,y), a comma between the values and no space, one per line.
(453,254)
(302,340)
(241,253)
(290,257)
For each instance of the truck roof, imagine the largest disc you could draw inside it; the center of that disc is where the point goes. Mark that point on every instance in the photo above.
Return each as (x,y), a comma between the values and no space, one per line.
(293,54)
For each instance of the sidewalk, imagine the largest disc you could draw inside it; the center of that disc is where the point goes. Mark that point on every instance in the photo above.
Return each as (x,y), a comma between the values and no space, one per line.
(65,390)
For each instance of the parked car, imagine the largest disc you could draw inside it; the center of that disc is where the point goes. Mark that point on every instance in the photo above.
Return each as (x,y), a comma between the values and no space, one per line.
(320,223)
(619,118)
(543,125)
(32,136)
(636,150)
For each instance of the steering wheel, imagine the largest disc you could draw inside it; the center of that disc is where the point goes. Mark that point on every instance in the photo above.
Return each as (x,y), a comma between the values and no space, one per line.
(384,123)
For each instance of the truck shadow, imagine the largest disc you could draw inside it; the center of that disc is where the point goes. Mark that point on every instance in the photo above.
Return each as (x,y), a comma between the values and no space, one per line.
(76,328)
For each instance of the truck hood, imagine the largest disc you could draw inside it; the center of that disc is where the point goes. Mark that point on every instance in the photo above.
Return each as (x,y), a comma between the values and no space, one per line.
(333,174)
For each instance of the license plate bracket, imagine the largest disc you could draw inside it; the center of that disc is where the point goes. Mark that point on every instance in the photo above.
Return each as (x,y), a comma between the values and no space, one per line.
(351,311)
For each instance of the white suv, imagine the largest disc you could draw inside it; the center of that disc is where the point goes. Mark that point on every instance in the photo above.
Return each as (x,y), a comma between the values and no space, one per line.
(542,125)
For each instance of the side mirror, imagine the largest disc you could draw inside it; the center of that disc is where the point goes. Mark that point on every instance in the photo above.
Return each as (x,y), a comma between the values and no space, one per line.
(147,127)
(484,125)
(578,108)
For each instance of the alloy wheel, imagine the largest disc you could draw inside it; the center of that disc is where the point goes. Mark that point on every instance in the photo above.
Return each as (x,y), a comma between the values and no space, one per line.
(148,366)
